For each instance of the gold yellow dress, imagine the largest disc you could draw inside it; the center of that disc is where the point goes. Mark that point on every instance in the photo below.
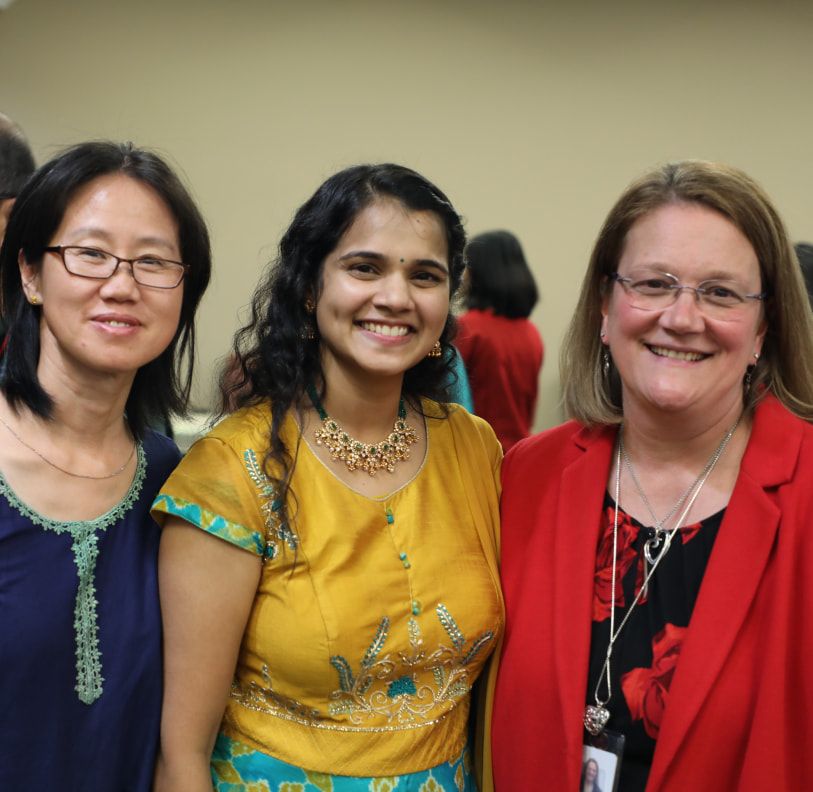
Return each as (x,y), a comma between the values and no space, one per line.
(373,616)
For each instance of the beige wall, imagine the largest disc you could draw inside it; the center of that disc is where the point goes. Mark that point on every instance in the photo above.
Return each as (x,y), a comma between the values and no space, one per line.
(532,116)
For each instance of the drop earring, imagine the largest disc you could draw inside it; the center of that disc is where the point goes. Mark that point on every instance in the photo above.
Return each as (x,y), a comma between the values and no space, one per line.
(309,328)
(436,351)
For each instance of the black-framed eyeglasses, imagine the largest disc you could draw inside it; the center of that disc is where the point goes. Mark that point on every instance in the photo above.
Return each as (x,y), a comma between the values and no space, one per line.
(90,262)
(653,292)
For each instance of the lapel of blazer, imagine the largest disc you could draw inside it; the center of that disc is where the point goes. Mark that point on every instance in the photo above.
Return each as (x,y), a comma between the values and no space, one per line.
(736,566)
(582,485)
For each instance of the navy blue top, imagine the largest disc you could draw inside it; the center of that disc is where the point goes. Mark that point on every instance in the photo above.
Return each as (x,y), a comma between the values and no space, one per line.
(80,641)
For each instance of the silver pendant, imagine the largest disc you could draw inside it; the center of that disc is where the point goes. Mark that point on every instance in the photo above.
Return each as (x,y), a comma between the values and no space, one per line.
(595,718)
(652,545)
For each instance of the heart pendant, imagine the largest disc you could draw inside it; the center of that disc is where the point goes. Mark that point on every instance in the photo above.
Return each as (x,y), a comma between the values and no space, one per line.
(595,719)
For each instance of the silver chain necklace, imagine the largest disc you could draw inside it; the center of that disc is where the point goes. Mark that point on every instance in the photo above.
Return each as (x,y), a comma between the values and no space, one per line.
(596,715)
(68,472)
(652,545)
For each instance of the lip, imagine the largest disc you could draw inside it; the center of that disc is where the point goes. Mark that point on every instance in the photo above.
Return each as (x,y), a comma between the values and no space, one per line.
(116,323)
(678,355)
(385,332)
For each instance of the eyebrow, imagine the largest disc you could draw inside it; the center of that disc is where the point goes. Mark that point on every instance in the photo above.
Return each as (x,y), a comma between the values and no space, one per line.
(101,233)
(710,276)
(369,254)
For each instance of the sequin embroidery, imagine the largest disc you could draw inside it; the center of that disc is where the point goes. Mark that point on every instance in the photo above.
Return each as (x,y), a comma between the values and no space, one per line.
(277,531)
(386,688)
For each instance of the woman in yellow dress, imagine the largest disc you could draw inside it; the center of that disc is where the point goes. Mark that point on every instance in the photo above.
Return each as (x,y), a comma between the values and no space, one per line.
(328,568)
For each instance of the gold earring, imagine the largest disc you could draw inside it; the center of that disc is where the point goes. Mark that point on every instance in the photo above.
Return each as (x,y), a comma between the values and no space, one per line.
(436,351)
(310,305)
(34,300)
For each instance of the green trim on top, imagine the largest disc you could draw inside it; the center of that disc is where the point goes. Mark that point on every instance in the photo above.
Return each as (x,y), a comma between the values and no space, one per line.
(85,537)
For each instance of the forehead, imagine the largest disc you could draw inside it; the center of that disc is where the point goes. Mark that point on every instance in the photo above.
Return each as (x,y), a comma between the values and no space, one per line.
(387,226)
(116,203)
(689,240)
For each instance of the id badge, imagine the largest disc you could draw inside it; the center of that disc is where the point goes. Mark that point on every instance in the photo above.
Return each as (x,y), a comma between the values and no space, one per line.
(601,760)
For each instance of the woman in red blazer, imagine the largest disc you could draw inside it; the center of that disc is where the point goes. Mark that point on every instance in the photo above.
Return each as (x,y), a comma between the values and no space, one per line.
(657,557)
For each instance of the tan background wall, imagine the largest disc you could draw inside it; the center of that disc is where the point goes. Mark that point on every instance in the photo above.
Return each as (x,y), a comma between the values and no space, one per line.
(532,116)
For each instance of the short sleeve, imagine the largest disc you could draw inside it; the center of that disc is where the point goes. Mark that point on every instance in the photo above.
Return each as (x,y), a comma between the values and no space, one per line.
(219,490)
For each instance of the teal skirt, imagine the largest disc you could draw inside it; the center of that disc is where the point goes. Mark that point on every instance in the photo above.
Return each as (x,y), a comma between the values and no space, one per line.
(238,768)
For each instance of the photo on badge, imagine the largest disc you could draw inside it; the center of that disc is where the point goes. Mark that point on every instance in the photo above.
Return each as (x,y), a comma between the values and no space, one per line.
(601,762)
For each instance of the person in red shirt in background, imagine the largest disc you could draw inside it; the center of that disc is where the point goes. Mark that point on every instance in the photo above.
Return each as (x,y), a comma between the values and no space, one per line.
(501,348)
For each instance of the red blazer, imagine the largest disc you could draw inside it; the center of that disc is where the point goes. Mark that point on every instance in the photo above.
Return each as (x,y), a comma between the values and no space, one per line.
(740,709)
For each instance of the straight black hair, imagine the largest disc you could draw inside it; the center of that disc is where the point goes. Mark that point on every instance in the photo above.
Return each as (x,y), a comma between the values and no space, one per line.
(16,159)
(161,386)
(499,277)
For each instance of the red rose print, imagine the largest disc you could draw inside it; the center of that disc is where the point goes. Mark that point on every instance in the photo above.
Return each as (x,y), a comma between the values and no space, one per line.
(647,689)
(688,532)
(602,586)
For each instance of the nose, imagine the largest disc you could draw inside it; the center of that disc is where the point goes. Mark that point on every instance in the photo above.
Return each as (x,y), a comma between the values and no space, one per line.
(684,314)
(394,293)
(121,285)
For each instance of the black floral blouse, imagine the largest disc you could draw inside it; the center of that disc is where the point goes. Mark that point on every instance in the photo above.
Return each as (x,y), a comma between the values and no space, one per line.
(648,648)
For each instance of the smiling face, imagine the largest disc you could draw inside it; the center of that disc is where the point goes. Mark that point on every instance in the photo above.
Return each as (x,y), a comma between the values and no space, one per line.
(590,770)
(113,325)
(678,358)
(384,295)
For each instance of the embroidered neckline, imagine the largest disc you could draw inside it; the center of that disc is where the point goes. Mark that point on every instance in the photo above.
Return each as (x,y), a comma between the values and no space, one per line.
(84,533)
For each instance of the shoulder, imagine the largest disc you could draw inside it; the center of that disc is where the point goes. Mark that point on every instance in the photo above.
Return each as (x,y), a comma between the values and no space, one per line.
(473,320)
(780,444)
(161,452)
(464,424)
(246,428)
(551,444)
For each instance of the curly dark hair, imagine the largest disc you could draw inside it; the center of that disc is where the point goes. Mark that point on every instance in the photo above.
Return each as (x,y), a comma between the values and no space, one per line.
(272,359)
(161,386)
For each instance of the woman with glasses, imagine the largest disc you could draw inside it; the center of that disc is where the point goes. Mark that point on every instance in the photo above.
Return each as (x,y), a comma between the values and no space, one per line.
(656,549)
(104,262)
(328,565)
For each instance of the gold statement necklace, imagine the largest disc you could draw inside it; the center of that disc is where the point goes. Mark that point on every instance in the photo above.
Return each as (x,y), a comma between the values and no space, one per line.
(369,457)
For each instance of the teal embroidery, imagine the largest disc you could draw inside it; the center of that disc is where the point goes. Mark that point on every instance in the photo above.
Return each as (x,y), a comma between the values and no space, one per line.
(454,632)
(386,684)
(276,530)
(84,546)
(403,686)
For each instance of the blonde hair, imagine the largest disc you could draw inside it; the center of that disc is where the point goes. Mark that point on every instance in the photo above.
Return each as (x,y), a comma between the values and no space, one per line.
(785,367)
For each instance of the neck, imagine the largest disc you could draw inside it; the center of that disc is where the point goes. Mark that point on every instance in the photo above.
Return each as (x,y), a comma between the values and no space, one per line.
(367,408)
(664,438)
(88,406)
